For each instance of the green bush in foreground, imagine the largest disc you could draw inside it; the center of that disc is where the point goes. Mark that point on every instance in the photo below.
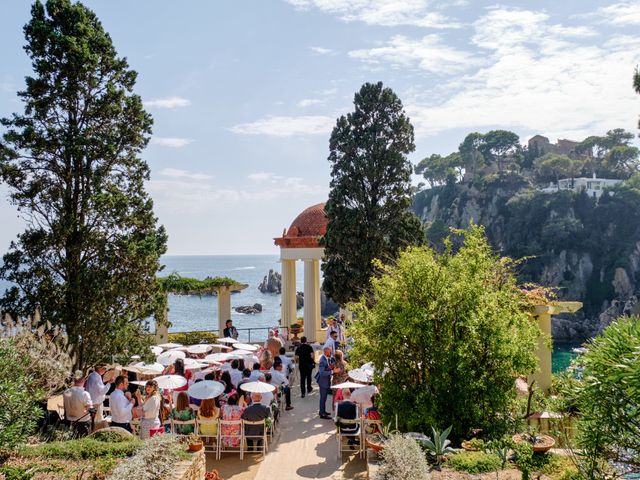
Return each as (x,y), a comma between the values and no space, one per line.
(86,448)
(475,462)
(403,459)
(193,338)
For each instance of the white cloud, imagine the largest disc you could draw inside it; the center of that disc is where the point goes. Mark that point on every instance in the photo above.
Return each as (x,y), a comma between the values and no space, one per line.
(172,142)
(623,13)
(321,50)
(428,53)
(282,126)
(177,173)
(540,78)
(168,102)
(309,102)
(390,13)
(261,177)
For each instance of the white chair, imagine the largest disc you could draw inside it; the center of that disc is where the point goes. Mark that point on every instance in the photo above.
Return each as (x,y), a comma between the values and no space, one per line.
(237,434)
(210,441)
(178,426)
(350,430)
(256,438)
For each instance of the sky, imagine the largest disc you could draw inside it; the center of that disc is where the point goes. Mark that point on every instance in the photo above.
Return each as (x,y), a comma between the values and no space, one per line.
(244,93)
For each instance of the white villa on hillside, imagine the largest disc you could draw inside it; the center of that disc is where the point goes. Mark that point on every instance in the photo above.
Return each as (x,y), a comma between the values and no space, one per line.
(592,186)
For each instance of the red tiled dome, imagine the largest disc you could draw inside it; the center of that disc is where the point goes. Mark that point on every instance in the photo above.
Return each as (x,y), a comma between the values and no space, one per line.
(312,222)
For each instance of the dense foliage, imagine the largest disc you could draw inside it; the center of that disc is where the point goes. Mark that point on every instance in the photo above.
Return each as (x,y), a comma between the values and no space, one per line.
(19,413)
(368,207)
(608,399)
(174,283)
(402,459)
(451,333)
(90,252)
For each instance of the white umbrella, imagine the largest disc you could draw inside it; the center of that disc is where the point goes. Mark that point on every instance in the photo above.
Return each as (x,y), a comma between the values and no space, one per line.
(192,364)
(140,383)
(227,340)
(368,368)
(156,350)
(243,353)
(219,346)
(359,375)
(215,358)
(348,385)
(171,382)
(245,346)
(196,349)
(205,389)
(146,368)
(177,349)
(259,387)
(169,345)
(169,357)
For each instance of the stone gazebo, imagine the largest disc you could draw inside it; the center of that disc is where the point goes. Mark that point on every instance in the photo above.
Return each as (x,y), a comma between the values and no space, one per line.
(302,242)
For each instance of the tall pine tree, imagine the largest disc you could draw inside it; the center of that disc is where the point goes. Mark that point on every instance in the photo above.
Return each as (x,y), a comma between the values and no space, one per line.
(90,252)
(368,206)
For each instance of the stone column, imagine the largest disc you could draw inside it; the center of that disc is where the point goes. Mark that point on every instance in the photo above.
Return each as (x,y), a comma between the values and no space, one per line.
(224,308)
(288,299)
(312,301)
(162,331)
(543,352)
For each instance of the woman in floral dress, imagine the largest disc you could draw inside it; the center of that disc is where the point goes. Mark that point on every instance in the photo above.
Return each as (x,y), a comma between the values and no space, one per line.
(340,375)
(231,411)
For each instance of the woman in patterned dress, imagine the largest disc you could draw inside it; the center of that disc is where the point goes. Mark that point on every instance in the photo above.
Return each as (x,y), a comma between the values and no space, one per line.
(231,411)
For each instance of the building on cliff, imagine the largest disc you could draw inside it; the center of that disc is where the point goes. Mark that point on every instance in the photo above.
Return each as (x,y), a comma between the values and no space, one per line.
(541,145)
(592,186)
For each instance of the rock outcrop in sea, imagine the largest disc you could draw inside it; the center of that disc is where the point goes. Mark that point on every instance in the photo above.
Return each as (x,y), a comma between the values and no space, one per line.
(272,283)
(249,309)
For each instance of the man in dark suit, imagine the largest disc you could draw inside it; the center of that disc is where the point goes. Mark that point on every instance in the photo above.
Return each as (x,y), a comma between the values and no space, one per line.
(323,377)
(347,410)
(230,331)
(254,413)
(306,364)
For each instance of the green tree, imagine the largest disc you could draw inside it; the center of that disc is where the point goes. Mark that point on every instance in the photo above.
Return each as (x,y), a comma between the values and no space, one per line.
(451,333)
(470,154)
(90,252)
(609,397)
(551,167)
(368,206)
(438,170)
(611,155)
(498,146)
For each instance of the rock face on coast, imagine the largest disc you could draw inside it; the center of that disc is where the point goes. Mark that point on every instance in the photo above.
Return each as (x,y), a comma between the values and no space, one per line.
(588,248)
(327,306)
(249,309)
(272,283)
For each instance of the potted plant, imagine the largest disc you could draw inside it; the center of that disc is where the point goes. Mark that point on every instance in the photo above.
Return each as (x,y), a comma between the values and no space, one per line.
(194,442)
(539,443)
(295,328)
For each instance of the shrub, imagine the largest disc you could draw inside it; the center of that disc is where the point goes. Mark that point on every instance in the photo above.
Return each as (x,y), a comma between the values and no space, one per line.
(19,413)
(152,461)
(475,462)
(82,449)
(193,338)
(14,473)
(402,459)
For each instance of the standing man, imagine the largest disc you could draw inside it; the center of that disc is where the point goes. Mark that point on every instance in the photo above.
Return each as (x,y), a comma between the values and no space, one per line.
(323,377)
(230,331)
(98,390)
(121,404)
(77,403)
(306,363)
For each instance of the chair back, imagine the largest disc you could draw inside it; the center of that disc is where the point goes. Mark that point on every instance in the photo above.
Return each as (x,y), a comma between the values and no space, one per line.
(178,426)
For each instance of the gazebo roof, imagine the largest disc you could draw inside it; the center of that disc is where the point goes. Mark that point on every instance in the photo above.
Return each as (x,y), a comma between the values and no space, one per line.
(306,229)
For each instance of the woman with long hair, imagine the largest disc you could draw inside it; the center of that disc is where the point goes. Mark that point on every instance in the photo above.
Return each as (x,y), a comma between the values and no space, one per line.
(183,413)
(340,375)
(231,411)
(177,368)
(208,415)
(149,410)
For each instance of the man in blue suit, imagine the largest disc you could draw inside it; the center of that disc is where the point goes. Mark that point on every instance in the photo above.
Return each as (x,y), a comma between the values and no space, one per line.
(323,377)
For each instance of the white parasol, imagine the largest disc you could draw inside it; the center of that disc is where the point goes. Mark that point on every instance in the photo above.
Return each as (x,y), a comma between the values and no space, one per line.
(227,340)
(205,389)
(348,385)
(368,368)
(245,346)
(243,353)
(200,348)
(146,368)
(177,349)
(219,346)
(259,387)
(171,382)
(169,357)
(359,375)
(140,383)
(193,364)
(169,345)
(156,349)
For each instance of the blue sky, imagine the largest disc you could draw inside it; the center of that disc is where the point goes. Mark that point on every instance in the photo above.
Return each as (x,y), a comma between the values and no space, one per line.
(244,93)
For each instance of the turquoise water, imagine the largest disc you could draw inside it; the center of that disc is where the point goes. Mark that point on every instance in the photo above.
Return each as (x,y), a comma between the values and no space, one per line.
(562,356)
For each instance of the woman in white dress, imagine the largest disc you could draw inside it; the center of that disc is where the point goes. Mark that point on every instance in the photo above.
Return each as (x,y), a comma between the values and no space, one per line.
(149,410)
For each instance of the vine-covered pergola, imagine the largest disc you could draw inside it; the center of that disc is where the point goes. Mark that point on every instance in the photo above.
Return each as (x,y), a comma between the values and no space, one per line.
(178,285)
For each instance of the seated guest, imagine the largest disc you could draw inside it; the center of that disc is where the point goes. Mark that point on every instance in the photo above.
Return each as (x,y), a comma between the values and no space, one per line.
(208,414)
(372,413)
(255,374)
(286,361)
(178,369)
(267,397)
(279,380)
(77,403)
(254,413)
(231,411)
(347,410)
(121,403)
(235,373)
(183,413)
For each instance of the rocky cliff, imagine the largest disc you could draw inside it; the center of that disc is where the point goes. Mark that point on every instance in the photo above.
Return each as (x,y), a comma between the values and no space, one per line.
(589,249)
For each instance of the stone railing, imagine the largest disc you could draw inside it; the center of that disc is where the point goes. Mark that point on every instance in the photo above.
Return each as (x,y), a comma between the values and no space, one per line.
(192,469)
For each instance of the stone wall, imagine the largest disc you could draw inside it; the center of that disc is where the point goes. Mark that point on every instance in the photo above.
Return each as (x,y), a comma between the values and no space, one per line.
(192,469)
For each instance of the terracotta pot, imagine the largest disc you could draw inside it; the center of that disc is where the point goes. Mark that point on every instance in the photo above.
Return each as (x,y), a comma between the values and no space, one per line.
(546,442)
(195,447)
(376,447)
